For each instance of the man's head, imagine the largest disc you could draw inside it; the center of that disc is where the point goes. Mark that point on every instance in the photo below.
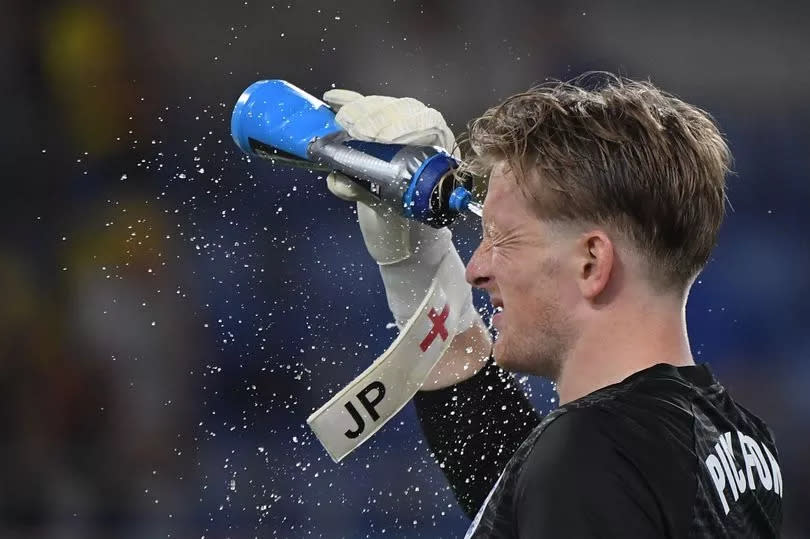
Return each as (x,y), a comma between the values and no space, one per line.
(594,191)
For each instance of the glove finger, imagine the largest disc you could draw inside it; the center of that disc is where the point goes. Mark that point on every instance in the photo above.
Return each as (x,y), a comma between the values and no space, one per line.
(338,97)
(426,128)
(355,117)
(365,118)
(403,120)
(386,234)
(347,189)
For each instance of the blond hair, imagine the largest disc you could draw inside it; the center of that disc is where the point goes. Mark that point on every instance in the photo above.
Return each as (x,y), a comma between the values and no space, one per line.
(617,152)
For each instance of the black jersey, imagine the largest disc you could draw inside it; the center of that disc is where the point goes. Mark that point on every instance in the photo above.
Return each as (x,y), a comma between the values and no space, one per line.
(664,453)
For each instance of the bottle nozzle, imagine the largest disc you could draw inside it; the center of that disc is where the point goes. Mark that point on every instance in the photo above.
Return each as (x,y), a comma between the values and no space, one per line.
(476,208)
(459,199)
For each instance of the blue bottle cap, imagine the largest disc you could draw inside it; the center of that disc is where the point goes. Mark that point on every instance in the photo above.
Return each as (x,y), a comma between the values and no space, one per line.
(459,199)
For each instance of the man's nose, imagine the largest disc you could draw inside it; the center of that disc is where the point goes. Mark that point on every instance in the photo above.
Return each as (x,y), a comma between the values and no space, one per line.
(478,270)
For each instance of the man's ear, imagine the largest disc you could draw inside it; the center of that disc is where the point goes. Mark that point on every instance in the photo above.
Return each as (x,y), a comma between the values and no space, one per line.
(597,256)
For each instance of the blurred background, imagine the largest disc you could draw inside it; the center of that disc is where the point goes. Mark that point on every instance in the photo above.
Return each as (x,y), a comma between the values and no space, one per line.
(173,311)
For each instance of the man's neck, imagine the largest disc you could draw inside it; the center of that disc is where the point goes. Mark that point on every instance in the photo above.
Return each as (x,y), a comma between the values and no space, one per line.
(626,340)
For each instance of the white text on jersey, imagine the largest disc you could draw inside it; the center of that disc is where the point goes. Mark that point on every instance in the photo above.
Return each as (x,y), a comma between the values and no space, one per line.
(726,476)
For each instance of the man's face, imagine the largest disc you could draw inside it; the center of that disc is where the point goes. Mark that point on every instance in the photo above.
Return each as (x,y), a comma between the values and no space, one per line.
(524,265)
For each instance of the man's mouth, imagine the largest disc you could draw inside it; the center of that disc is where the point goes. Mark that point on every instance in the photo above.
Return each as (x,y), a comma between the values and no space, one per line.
(497,314)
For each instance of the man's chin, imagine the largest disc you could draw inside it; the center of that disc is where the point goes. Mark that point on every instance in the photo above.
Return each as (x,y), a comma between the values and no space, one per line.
(514,359)
(503,358)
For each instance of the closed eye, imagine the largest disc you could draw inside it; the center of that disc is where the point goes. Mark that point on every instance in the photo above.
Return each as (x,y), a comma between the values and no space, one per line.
(489,229)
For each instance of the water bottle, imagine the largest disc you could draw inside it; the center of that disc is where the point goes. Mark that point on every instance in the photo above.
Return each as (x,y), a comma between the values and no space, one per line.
(275,120)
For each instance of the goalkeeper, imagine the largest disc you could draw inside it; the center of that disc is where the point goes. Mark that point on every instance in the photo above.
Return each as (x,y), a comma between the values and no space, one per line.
(603,205)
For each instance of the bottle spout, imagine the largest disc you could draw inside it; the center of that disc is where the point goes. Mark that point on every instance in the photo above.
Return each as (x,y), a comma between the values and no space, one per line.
(476,208)
(461,200)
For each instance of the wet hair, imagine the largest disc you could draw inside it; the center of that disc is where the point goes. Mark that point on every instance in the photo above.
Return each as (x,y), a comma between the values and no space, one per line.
(615,152)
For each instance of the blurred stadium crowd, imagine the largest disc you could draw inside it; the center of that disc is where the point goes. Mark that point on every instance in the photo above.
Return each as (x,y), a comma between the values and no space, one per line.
(174,311)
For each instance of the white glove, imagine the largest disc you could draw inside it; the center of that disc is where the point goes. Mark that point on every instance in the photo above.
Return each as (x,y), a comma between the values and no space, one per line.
(408,252)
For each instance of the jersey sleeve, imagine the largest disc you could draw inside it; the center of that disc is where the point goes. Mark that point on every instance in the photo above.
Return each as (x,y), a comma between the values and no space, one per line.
(580,480)
(473,428)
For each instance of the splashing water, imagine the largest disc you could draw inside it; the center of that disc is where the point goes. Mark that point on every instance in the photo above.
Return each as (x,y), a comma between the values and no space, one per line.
(476,208)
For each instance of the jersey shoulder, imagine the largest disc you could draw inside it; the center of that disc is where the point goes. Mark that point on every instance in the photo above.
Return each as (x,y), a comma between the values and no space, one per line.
(602,433)
(611,471)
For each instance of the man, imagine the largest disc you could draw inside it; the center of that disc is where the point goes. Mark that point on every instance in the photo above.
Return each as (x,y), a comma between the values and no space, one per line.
(603,204)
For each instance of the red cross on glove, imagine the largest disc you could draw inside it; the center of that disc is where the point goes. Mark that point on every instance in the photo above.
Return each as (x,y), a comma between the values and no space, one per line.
(438,327)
